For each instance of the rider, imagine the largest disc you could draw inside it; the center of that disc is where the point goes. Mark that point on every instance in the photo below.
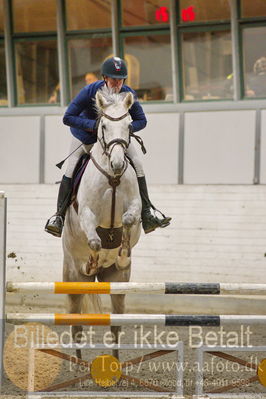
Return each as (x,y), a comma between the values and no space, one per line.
(81,116)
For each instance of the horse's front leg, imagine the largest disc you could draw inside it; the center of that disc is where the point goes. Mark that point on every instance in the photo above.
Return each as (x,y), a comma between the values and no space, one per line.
(88,224)
(130,217)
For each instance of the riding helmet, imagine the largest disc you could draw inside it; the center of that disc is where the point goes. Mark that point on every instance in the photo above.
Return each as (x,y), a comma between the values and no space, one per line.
(114,67)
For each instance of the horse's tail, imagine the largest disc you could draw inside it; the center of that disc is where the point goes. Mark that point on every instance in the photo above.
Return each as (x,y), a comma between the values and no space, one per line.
(91,304)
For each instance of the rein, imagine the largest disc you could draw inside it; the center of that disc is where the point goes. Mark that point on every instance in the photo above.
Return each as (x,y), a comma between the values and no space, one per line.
(114,181)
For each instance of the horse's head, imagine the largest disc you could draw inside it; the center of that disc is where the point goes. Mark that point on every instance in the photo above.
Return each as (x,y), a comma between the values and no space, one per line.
(113,128)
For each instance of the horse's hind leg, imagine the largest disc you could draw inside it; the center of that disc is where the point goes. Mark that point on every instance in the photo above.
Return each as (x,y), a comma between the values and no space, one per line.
(74,306)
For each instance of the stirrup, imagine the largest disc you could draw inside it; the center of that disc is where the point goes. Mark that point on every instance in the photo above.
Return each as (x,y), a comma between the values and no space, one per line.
(55,225)
(165,221)
(151,222)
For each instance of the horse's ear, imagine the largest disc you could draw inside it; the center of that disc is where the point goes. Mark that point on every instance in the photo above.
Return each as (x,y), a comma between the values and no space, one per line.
(100,101)
(129,100)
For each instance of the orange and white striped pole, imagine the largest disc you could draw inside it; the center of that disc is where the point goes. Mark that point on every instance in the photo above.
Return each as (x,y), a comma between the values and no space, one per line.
(136,288)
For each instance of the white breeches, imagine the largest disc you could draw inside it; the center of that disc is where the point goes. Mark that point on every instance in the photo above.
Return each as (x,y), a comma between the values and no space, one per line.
(73,159)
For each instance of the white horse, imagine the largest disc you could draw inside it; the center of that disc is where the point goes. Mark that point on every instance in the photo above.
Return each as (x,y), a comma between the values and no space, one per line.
(104,223)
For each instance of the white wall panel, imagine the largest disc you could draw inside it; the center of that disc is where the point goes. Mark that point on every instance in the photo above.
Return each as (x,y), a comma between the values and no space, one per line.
(160,137)
(19,149)
(57,146)
(219,147)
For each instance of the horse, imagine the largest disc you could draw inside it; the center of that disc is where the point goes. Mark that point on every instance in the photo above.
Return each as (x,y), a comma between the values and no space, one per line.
(103,224)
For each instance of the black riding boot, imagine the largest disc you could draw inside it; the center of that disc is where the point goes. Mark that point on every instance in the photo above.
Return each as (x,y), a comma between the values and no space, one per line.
(149,221)
(55,224)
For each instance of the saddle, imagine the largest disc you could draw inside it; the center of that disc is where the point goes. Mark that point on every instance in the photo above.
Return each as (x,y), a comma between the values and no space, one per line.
(79,171)
(77,175)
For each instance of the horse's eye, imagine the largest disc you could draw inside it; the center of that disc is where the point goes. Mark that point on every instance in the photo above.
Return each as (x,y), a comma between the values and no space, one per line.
(103,126)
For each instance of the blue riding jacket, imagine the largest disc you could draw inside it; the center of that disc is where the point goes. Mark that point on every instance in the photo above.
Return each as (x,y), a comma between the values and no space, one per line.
(81,114)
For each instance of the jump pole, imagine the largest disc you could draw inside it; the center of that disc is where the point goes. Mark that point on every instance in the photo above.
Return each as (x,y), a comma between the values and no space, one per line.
(3,204)
(125,319)
(137,288)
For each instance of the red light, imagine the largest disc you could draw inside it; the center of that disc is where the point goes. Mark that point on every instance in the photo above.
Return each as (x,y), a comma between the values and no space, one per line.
(188,14)
(162,14)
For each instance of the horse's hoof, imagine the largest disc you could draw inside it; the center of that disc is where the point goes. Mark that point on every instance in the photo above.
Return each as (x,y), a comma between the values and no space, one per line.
(128,220)
(95,245)
(92,272)
(88,271)
(122,263)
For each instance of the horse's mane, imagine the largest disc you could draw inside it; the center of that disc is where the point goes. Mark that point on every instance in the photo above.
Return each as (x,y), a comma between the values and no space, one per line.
(111,97)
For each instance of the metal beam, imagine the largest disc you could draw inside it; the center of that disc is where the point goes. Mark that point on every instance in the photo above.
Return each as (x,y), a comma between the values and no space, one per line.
(2,278)
(115,30)
(10,67)
(62,53)
(235,50)
(174,52)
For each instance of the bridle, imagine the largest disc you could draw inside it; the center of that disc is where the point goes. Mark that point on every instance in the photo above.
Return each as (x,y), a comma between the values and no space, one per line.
(117,141)
(114,181)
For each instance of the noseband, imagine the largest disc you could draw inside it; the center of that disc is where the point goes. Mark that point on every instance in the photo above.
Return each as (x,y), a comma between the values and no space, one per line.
(114,142)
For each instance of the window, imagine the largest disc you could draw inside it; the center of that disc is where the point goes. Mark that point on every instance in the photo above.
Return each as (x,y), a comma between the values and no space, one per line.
(86,53)
(207,65)
(206,49)
(254,61)
(147,52)
(36,55)
(36,70)
(88,14)
(204,10)
(254,8)
(86,57)
(149,66)
(145,12)
(34,15)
